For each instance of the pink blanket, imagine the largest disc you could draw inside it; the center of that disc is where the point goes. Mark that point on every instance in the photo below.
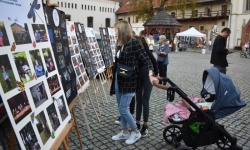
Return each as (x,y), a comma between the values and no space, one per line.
(179,109)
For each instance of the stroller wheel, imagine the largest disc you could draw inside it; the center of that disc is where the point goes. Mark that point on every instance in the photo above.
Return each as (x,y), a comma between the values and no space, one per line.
(172,135)
(224,143)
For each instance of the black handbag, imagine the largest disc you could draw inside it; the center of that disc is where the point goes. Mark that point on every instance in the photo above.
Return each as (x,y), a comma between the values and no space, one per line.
(161,58)
(124,70)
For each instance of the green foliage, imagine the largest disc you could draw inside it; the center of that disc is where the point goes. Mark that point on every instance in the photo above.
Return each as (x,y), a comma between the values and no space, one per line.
(182,6)
(143,9)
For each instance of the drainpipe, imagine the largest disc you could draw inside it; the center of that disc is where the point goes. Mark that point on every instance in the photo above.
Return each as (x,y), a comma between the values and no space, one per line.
(230,19)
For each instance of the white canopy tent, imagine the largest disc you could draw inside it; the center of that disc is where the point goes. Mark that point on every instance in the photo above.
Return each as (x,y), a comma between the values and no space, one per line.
(191,32)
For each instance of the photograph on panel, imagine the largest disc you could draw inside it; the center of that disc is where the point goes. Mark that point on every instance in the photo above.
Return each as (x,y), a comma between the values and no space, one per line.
(66,75)
(54,85)
(74,40)
(53,117)
(86,78)
(39,94)
(21,33)
(69,41)
(71,49)
(42,127)
(70,68)
(40,32)
(4,40)
(61,61)
(60,102)
(65,51)
(77,69)
(82,68)
(59,47)
(79,59)
(19,106)
(77,49)
(81,80)
(29,137)
(48,59)
(37,62)
(57,33)
(74,61)
(22,66)
(7,80)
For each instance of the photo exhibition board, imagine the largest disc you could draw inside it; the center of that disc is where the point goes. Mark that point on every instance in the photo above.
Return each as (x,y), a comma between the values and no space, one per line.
(76,58)
(83,42)
(56,24)
(106,48)
(94,51)
(112,39)
(30,85)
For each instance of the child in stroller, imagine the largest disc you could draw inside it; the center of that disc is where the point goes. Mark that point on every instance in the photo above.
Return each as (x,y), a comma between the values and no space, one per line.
(200,129)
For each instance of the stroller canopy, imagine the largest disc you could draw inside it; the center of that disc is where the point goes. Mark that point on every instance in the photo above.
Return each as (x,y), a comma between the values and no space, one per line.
(227,97)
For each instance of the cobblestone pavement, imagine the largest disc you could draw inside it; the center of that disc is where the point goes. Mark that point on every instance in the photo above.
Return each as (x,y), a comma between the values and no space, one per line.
(185,69)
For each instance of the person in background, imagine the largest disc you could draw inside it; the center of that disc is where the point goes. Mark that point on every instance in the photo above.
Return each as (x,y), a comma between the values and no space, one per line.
(144,89)
(129,51)
(210,44)
(162,52)
(220,52)
(151,43)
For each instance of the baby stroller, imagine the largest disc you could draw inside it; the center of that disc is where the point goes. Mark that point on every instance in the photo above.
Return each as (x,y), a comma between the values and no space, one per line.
(200,129)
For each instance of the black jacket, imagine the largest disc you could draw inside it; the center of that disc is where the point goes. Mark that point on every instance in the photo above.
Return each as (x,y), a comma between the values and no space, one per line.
(219,52)
(150,55)
(129,56)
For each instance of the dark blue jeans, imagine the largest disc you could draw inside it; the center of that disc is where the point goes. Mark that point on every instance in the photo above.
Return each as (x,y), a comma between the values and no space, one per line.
(162,71)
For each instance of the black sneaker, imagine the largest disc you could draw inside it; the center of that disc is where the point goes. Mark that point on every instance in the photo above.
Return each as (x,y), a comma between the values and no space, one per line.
(144,130)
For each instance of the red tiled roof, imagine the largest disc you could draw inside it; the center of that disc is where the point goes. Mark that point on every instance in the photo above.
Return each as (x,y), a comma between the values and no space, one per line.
(124,8)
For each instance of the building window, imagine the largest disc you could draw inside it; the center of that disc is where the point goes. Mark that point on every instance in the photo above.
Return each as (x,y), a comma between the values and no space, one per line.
(61,4)
(113,10)
(90,22)
(82,6)
(128,19)
(202,28)
(72,5)
(105,9)
(100,9)
(223,23)
(94,8)
(107,22)
(120,19)
(68,5)
(67,17)
(91,7)
(191,26)
(88,7)
(247,5)
(85,7)
(57,3)
(173,14)
(75,6)
(65,5)
(108,9)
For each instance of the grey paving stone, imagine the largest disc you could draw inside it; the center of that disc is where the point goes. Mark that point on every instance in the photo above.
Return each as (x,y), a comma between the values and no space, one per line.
(185,69)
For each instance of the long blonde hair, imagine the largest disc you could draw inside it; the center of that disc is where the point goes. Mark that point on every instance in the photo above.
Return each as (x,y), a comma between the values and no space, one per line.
(124,32)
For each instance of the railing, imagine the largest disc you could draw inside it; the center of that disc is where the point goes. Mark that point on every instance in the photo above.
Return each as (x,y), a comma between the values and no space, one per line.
(208,14)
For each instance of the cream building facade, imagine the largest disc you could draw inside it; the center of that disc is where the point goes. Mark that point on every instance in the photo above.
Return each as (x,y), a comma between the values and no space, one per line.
(92,13)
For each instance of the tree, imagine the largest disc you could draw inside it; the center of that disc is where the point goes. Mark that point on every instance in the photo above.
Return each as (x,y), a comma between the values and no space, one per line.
(182,5)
